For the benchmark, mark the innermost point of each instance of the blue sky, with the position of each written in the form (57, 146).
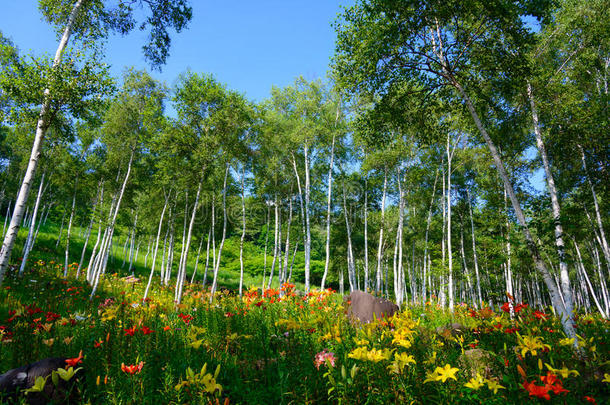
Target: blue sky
(248, 45)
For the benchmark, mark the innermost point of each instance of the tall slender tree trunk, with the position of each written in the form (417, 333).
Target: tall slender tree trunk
(197, 261)
(287, 249)
(67, 252)
(266, 246)
(275, 241)
(351, 271)
(398, 279)
(598, 218)
(99, 197)
(188, 241)
(29, 242)
(133, 242)
(106, 249)
(61, 230)
(307, 221)
(426, 268)
(366, 237)
(566, 318)
(243, 230)
(44, 120)
(224, 232)
(328, 200)
(474, 252)
(380, 245)
(583, 272)
(8, 211)
(566, 287)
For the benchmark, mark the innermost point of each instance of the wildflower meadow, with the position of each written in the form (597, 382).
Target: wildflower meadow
(279, 346)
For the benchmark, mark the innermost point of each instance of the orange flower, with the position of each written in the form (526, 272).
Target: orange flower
(166, 328)
(74, 361)
(132, 368)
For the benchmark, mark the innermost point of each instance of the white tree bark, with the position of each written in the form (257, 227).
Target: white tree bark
(307, 221)
(426, 267)
(598, 218)
(328, 201)
(351, 271)
(366, 237)
(104, 251)
(474, 253)
(224, 233)
(99, 197)
(380, 245)
(41, 129)
(67, 252)
(243, 230)
(29, 242)
(566, 318)
(566, 287)
(188, 241)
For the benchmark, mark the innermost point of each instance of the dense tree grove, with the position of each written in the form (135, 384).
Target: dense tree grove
(408, 174)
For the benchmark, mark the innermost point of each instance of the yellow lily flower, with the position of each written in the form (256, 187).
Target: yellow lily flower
(564, 372)
(493, 385)
(446, 372)
(475, 383)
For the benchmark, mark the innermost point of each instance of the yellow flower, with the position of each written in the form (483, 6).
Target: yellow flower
(446, 372)
(493, 385)
(68, 340)
(475, 383)
(196, 344)
(606, 378)
(359, 353)
(400, 361)
(566, 342)
(531, 344)
(564, 372)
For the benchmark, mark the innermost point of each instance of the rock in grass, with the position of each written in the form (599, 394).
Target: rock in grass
(451, 330)
(365, 307)
(24, 377)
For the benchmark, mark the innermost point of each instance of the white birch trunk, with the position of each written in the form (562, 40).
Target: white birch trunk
(29, 242)
(188, 240)
(243, 230)
(566, 318)
(307, 221)
(224, 233)
(41, 129)
(566, 287)
(380, 245)
(328, 201)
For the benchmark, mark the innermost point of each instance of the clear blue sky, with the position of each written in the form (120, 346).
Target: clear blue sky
(248, 45)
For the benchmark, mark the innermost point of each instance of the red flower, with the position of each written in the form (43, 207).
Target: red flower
(506, 307)
(74, 361)
(97, 344)
(540, 315)
(146, 330)
(591, 399)
(536, 390)
(131, 331)
(229, 314)
(133, 368)
(166, 328)
(519, 307)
